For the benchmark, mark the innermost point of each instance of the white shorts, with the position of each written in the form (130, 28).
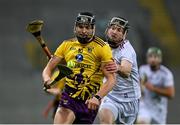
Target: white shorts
(124, 112)
(145, 115)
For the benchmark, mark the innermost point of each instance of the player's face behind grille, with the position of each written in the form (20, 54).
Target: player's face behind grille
(154, 61)
(84, 28)
(84, 33)
(116, 31)
(154, 56)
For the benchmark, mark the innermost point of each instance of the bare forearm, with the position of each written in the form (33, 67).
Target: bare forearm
(167, 92)
(123, 69)
(123, 72)
(46, 74)
(50, 67)
(106, 87)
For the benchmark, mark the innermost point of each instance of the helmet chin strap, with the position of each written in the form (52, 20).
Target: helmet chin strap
(124, 36)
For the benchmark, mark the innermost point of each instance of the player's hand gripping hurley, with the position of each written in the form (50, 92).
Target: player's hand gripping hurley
(35, 27)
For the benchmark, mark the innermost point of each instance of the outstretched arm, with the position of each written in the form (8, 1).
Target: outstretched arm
(53, 62)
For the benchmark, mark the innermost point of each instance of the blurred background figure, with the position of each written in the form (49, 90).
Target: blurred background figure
(153, 23)
(157, 87)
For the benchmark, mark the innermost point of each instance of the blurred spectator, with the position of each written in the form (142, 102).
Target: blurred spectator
(157, 87)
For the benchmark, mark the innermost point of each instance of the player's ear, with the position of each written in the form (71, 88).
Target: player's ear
(106, 31)
(125, 34)
(94, 29)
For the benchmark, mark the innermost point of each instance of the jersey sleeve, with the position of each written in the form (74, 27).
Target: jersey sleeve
(106, 53)
(61, 50)
(169, 80)
(127, 55)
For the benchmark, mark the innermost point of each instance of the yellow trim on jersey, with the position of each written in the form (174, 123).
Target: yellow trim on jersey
(99, 41)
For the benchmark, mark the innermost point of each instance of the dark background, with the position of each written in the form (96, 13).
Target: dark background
(22, 100)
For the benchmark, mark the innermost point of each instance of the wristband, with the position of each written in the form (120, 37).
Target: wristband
(98, 97)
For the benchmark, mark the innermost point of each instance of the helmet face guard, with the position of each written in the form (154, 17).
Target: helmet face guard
(157, 53)
(121, 22)
(85, 19)
(154, 51)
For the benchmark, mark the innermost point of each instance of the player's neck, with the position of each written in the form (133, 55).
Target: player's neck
(155, 68)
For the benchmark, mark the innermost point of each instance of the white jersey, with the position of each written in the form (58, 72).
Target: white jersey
(126, 89)
(156, 104)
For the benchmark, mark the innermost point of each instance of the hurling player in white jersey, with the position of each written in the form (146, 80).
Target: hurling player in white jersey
(122, 103)
(157, 87)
